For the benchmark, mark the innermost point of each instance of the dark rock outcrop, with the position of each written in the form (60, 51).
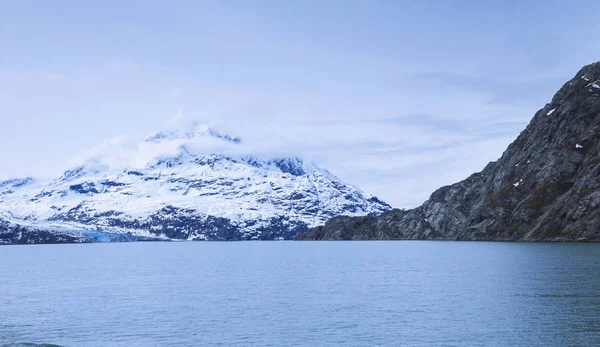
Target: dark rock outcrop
(545, 187)
(174, 223)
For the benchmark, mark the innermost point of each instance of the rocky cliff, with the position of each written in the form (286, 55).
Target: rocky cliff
(545, 187)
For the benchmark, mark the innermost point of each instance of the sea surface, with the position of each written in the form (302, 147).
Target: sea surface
(389, 293)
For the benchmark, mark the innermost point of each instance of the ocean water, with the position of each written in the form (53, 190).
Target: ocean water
(399, 293)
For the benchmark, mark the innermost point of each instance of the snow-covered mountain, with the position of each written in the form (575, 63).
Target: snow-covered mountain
(184, 184)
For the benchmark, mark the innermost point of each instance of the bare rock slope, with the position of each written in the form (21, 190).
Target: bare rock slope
(545, 187)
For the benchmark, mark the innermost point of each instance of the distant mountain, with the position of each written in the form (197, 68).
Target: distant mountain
(545, 187)
(181, 190)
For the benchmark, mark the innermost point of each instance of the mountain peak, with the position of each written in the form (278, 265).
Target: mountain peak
(193, 131)
(185, 183)
(585, 83)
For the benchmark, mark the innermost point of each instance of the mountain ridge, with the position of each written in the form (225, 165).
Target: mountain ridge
(544, 187)
(179, 189)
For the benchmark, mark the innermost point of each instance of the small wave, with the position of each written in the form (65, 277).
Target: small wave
(27, 344)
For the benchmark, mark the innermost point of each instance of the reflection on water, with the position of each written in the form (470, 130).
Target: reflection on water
(407, 293)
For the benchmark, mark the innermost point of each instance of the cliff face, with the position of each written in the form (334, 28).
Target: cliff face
(545, 187)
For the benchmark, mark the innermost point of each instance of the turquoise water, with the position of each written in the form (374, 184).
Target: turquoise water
(402, 293)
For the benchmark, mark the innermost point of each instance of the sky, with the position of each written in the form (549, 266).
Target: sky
(395, 97)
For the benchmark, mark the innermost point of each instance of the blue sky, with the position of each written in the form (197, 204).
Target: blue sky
(397, 97)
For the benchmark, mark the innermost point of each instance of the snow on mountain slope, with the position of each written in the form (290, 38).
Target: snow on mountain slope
(191, 184)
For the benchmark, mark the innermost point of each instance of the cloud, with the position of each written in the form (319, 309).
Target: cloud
(51, 76)
(498, 91)
(361, 111)
(112, 152)
(176, 119)
(176, 93)
(427, 121)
